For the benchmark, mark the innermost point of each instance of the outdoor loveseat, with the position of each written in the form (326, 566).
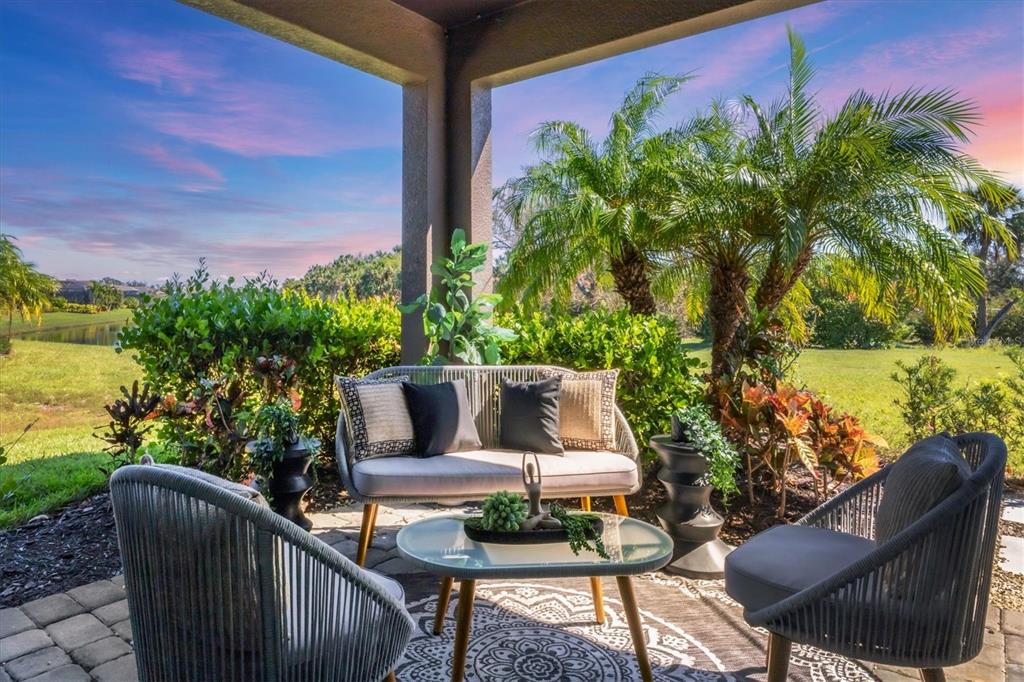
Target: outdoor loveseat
(472, 475)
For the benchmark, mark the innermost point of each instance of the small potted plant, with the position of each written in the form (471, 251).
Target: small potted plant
(280, 458)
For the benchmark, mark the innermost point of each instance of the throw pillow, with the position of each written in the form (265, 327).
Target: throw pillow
(377, 417)
(442, 420)
(530, 416)
(927, 473)
(587, 408)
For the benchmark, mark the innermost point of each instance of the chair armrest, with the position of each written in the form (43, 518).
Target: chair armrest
(625, 442)
(853, 510)
(335, 613)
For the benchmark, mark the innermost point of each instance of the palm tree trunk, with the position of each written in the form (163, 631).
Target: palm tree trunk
(631, 272)
(778, 280)
(985, 332)
(727, 309)
(981, 312)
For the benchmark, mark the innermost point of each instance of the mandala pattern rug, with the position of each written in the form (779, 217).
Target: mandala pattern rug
(544, 631)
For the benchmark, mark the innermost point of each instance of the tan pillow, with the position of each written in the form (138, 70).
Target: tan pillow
(587, 408)
(378, 418)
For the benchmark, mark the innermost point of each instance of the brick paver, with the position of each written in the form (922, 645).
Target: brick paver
(87, 634)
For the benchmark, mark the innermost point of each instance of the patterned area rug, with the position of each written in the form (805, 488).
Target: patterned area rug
(545, 632)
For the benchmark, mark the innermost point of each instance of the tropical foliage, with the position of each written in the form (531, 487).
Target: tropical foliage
(457, 326)
(779, 426)
(998, 258)
(657, 376)
(931, 402)
(106, 296)
(592, 206)
(126, 431)
(705, 434)
(23, 289)
(218, 352)
(376, 275)
(871, 189)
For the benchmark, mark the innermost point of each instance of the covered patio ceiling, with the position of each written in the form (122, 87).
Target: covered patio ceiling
(447, 55)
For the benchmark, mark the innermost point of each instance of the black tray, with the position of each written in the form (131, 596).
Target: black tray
(523, 537)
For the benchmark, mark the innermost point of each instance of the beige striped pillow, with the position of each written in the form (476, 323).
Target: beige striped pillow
(377, 417)
(587, 408)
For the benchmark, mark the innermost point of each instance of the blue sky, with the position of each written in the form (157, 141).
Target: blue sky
(137, 136)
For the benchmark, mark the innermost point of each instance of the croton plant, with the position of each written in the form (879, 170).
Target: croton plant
(777, 427)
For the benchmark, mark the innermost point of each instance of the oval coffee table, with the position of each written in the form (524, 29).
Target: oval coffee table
(440, 546)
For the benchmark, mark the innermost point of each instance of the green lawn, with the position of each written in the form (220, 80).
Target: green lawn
(858, 381)
(64, 386)
(59, 320)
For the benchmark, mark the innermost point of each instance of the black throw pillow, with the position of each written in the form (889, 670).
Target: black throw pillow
(530, 416)
(441, 419)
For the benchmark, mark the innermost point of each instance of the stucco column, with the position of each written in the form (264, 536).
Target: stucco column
(469, 168)
(424, 205)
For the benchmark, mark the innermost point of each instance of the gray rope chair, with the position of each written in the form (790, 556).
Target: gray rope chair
(917, 600)
(221, 588)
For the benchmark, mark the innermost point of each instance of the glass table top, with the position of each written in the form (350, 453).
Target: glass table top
(440, 546)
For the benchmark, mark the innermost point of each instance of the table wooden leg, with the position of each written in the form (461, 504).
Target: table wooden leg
(636, 630)
(442, 604)
(463, 623)
(595, 589)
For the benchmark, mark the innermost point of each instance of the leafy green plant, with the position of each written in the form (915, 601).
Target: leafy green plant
(581, 531)
(504, 511)
(274, 427)
(457, 326)
(706, 435)
(657, 376)
(105, 296)
(927, 395)
(125, 432)
(218, 351)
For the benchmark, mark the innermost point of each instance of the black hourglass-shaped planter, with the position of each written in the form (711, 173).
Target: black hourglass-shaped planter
(688, 516)
(289, 481)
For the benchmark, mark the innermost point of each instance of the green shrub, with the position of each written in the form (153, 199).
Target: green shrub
(841, 323)
(219, 351)
(930, 404)
(657, 376)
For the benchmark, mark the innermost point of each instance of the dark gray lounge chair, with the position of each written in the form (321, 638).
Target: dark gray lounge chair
(896, 574)
(222, 588)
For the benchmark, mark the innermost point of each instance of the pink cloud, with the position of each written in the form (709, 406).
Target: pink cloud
(180, 164)
(219, 108)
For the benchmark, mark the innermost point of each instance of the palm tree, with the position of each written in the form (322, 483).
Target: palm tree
(23, 289)
(589, 207)
(873, 186)
(991, 251)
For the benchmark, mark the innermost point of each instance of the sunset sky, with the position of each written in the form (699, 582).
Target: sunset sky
(137, 136)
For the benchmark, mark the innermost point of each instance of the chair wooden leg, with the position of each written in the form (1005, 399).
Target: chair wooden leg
(442, 603)
(366, 531)
(585, 504)
(778, 657)
(391, 677)
(595, 590)
(932, 675)
(620, 505)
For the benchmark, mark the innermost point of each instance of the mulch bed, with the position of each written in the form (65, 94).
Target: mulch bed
(72, 547)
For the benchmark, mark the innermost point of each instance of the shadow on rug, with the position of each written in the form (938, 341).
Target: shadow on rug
(545, 632)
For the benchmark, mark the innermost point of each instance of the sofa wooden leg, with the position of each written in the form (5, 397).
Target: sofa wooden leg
(932, 675)
(585, 504)
(366, 531)
(620, 505)
(778, 657)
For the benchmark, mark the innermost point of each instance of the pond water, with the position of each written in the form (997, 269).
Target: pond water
(93, 334)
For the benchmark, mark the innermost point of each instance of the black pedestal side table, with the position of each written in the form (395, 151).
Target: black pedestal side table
(688, 516)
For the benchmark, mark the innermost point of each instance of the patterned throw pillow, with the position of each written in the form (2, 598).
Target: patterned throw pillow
(378, 419)
(587, 408)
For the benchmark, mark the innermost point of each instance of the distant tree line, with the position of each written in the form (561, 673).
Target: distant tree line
(376, 275)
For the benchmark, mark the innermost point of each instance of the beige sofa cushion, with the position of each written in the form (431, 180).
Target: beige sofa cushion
(473, 474)
(587, 407)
